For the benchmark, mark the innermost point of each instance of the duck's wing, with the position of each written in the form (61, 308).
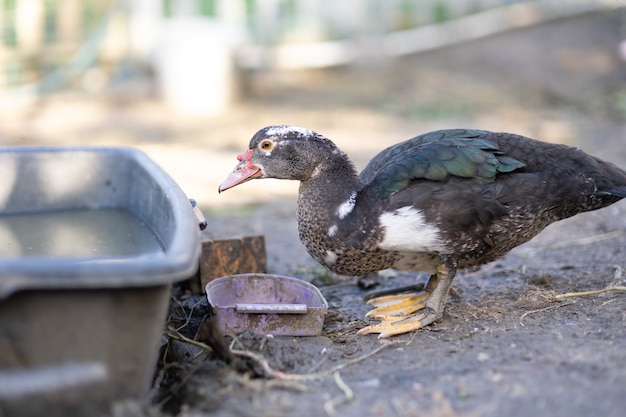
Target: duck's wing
(436, 156)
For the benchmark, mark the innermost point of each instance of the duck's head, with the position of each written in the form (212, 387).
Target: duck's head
(283, 152)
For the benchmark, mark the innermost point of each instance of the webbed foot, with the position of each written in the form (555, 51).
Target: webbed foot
(399, 314)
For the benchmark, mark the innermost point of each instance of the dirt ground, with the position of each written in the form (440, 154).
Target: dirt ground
(506, 346)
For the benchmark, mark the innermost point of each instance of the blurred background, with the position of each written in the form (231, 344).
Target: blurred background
(190, 81)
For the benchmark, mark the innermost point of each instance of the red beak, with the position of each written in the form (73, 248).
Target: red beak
(244, 171)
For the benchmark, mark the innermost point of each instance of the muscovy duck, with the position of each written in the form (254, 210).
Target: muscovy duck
(435, 203)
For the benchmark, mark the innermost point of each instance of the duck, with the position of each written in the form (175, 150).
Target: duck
(436, 203)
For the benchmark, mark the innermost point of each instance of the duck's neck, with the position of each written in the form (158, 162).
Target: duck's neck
(331, 190)
(325, 199)
(338, 224)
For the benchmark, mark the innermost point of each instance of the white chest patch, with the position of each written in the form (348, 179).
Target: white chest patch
(331, 258)
(406, 230)
(346, 208)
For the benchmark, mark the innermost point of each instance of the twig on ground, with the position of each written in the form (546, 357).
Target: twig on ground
(235, 341)
(258, 385)
(270, 372)
(348, 395)
(585, 293)
(188, 316)
(559, 297)
(273, 373)
(174, 334)
(540, 310)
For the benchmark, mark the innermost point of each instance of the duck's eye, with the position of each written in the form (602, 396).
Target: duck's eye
(266, 145)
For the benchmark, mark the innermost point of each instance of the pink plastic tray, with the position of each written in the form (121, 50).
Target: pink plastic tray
(267, 304)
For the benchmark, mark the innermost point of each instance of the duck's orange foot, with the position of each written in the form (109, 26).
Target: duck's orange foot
(397, 305)
(399, 314)
(396, 325)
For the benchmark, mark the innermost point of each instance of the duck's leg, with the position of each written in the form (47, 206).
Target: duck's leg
(401, 304)
(395, 291)
(408, 312)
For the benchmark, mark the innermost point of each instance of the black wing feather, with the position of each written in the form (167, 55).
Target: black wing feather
(436, 156)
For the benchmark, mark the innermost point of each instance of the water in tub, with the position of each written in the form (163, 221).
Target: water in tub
(103, 233)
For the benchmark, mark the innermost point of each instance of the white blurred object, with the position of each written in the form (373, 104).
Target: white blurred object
(195, 65)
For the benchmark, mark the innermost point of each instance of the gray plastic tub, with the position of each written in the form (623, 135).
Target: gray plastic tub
(91, 240)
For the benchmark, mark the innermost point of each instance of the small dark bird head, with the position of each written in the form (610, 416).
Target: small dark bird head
(283, 152)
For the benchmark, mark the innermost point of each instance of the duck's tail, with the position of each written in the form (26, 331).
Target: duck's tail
(612, 185)
(619, 192)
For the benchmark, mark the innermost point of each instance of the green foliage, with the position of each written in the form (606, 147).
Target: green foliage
(441, 12)
(7, 22)
(207, 7)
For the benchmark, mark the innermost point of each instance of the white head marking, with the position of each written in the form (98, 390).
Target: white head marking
(282, 130)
